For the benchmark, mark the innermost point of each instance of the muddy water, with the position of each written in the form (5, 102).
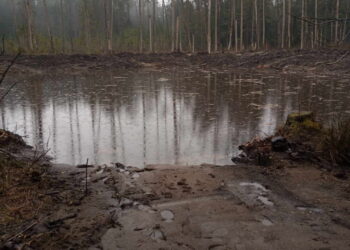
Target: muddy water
(147, 117)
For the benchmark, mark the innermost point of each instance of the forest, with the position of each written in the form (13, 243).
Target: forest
(105, 26)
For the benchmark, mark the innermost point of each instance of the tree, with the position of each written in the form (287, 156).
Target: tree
(140, 27)
(264, 26)
(108, 6)
(336, 38)
(232, 24)
(283, 22)
(209, 27)
(216, 25)
(290, 23)
(241, 36)
(62, 27)
(48, 27)
(29, 17)
(302, 24)
(257, 36)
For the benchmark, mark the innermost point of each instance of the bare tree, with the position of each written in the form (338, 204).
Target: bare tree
(86, 25)
(336, 38)
(62, 27)
(152, 25)
(302, 24)
(316, 24)
(264, 25)
(209, 27)
(257, 30)
(140, 27)
(48, 27)
(216, 25)
(29, 17)
(283, 22)
(289, 24)
(108, 4)
(173, 24)
(232, 24)
(241, 36)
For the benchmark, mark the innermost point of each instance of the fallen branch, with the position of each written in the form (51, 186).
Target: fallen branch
(22, 232)
(9, 67)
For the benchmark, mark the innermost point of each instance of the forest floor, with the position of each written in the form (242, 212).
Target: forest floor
(293, 203)
(332, 61)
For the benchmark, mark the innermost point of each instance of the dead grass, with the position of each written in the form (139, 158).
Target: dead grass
(336, 142)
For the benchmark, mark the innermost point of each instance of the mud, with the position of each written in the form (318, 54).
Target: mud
(292, 206)
(325, 60)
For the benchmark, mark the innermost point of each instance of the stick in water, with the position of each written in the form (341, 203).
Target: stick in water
(86, 176)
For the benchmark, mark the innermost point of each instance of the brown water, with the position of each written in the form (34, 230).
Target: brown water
(146, 117)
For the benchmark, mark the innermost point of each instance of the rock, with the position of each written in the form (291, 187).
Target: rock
(167, 215)
(279, 144)
(119, 165)
(157, 234)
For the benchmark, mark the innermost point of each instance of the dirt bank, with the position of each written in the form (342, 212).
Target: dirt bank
(331, 61)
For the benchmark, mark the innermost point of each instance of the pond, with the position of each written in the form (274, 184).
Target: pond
(171, 117)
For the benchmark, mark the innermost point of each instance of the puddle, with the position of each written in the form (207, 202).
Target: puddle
(142, 117)
(251, 193)
(310, 209)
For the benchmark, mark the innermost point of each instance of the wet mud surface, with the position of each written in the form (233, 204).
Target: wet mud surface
(329, 60)
(194, 207)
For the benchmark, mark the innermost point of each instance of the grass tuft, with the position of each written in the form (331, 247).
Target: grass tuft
(336, 142)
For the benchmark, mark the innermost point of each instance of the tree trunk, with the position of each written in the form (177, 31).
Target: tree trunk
(14, 15)
(316, 23)
(29, 16)
(209, 27)
(216, 25)
(173, 24)
(336, 38)
(140, 27)
(264, 26)
(178, 38)
(232, 23)
(241, 36)
(150, 33)
(153, 23)
(283, 22)
(86, 27)
(289, 24)
(109, 23)
(236, 36)
(302, 24)
(48, 27)
(257, 36)
(62, 27)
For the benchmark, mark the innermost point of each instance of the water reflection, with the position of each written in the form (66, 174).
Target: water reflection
(147, 117)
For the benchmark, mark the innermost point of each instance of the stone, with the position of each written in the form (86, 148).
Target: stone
(279, 144)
